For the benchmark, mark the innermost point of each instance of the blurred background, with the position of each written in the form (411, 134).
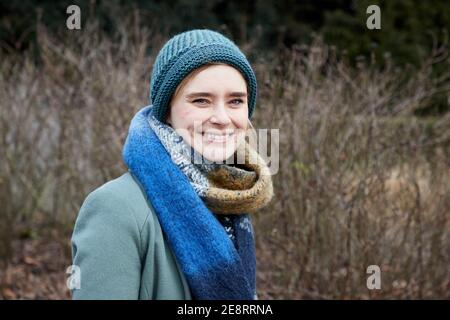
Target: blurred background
(364, 119)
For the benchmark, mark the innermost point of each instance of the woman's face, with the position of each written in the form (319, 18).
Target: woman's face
(210, 111)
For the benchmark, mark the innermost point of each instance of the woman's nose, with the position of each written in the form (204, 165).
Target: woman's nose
(220, 115)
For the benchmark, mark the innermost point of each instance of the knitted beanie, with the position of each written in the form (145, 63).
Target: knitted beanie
(187, 51)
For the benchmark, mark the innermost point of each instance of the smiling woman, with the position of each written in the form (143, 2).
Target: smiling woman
(172, 227)
(210, 111)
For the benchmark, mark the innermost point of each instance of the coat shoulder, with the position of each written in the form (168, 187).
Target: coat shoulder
(128, 191)
(117, 223)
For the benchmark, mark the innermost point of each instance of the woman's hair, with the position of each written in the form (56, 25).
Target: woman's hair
(251, 132)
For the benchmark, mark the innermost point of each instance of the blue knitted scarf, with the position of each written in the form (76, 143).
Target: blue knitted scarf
(215, 250)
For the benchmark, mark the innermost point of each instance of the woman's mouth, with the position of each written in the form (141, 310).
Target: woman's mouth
(222, 137)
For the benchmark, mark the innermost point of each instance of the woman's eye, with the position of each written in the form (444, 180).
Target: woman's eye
(200, 101)
(237, 101)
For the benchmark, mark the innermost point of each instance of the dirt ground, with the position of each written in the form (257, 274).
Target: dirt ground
(37, 270)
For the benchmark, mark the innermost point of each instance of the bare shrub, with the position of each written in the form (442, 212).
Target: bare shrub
(362, 181)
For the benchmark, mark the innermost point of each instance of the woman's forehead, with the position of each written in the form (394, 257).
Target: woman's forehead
(215, 78)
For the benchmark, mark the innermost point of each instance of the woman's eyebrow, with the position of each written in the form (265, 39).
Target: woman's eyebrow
(198, 94)
(208, 94)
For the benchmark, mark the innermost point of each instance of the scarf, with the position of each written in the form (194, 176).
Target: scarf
(203, 208)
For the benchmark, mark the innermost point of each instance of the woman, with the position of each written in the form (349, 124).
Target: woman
(177, 224)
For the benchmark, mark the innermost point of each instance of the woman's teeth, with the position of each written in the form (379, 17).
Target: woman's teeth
(219, 138)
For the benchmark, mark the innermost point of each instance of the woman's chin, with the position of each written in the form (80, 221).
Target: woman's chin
(218, 153)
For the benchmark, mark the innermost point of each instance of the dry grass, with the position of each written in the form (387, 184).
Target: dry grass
(361, 181)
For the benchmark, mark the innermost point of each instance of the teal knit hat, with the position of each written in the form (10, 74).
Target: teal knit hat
(187, 51)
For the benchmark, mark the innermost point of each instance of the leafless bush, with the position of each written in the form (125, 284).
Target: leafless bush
(361, 181)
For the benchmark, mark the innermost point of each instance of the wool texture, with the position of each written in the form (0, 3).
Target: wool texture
(186, 52)
(198, 207)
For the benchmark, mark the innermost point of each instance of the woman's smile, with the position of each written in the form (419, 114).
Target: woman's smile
(218, 137)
